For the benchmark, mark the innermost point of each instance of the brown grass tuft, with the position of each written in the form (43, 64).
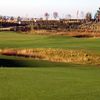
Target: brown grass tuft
(55, 55)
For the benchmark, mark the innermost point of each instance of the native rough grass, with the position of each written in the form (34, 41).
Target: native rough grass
(55, 55)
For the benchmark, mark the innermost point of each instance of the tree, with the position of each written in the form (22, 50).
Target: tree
(88, 16)
(97, 15)
(4, 18)
(19, 19)
(82, 15)
(0, 17)
(12, 18)
(69, 16)
(46, 15)
(0, 21)
(55, 15)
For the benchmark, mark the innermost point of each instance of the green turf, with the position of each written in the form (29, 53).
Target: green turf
(17, 40)
(43, 80)
(28, 79)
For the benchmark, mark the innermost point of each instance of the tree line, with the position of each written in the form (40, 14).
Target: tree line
(88, 17)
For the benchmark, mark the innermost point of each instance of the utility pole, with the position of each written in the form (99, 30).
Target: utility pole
(77, 14)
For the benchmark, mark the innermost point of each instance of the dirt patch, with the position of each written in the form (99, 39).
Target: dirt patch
(55, 55)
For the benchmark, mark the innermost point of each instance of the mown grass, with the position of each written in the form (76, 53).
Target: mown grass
(42, 80)
(17, 40)
(28, 79)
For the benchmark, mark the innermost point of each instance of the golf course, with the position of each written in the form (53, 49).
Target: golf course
(43, 78)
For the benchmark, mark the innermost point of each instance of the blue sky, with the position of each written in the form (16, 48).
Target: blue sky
(37, 8)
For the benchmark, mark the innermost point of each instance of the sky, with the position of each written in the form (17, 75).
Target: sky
(37, 8)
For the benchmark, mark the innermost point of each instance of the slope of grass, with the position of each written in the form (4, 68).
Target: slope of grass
(17, 40)
(28, 79)
(40, 81)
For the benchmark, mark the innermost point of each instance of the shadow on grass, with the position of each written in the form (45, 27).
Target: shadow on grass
(12, 63)
(28, 63)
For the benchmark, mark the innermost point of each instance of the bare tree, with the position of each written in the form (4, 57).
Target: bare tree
(4, 18)
(12, 18)
(88, 16)
(19, 19)
(68, 16)
(82, 15)
(46, 15)
(1, 21)
(0, 17)
(55, 15)
(77, 14)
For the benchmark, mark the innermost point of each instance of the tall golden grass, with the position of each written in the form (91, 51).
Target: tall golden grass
(55, 55)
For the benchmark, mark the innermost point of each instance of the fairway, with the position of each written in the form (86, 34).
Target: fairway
(20, 40)
(28, 79)
(42, 82)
